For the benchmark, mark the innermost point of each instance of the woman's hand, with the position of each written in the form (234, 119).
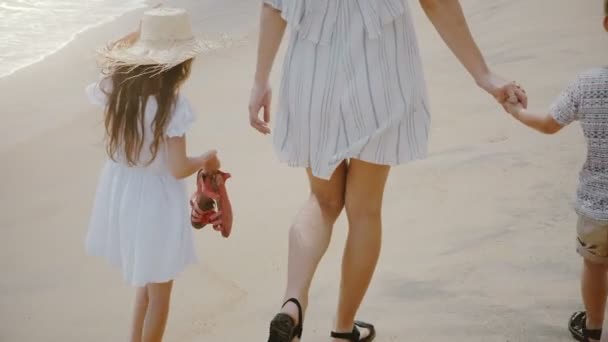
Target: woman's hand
(272, 28)
(449, 20)
(502, 90)
(261, 97)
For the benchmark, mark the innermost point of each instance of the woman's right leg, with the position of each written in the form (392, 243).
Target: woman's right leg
(158, 310)
(310, 235)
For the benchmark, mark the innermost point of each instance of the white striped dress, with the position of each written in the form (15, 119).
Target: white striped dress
(352, 85)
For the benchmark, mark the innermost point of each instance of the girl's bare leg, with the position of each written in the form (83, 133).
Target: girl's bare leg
(139, 313)
(158, 310)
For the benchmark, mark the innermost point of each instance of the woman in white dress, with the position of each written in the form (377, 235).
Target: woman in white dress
(352, 103)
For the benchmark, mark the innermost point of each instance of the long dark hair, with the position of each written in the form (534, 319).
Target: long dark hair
(124, 116)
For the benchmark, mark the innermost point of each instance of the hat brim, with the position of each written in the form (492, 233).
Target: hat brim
(140, 53)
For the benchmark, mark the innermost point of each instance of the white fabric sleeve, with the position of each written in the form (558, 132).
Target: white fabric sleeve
(96, 92)
(277, 4)
(182, 118)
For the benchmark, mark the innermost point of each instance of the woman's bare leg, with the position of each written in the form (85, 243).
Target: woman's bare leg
(158, 310)
(310, 235)
(139, 313)
(363, 202)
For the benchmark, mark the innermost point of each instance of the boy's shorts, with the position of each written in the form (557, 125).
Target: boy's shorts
(592, 241)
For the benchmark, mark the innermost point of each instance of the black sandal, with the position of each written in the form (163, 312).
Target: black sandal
(355, 334)
(578, 328)
(283, 328)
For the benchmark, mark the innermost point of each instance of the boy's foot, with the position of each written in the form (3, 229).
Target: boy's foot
(578, 328)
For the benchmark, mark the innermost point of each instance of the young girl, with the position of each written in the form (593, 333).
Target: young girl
(586, 101)
(140, 220)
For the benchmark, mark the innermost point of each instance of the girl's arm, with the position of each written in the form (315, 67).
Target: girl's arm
(544, 123)
(183, 166)
(129, 39)
(272, 29)
(449, 21)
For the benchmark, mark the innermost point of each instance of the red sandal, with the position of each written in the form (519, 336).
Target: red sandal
(223, 204)
(210, 203)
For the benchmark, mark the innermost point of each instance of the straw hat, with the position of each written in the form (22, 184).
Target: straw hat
(165, 40)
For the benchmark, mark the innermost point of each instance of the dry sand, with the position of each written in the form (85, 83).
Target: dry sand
(479, 238)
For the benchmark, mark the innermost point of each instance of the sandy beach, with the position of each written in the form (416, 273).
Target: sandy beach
(479, 240)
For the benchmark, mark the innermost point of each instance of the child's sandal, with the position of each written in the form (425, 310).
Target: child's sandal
(578, 328)
(283, 328)
(223, 203)
(203, 201)
(355, 335)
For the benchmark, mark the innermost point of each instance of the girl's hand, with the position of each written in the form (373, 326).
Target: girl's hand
(129, 39)
(210, 161)
(261, 97)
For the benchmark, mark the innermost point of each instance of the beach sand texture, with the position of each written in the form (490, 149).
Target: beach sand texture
(479, 238)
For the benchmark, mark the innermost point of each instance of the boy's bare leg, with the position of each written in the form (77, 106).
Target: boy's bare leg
(594, 288)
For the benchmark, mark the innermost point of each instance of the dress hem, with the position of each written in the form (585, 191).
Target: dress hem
(325, 176)
(153, 280)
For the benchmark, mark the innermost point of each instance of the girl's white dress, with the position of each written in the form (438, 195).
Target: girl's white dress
(140, 221)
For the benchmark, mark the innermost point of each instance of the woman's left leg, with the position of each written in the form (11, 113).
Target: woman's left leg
(365, 184)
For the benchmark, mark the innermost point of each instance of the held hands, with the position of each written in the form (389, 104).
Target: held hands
(503, 91)
(513, 108)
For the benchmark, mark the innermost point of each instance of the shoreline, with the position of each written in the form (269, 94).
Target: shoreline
(73, 37)
(31, 118)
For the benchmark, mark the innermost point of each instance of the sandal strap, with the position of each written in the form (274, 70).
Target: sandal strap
(594, 334)
(297, 330)
(352, 336)
(578, 326)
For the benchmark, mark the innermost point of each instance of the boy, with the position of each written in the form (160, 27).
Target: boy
(585, 100)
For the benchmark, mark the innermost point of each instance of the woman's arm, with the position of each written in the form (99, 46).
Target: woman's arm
(272, 28)
(449, 21)
(183, 166)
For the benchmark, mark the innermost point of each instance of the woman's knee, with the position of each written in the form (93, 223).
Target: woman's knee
(328, 195)
(330, 204)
